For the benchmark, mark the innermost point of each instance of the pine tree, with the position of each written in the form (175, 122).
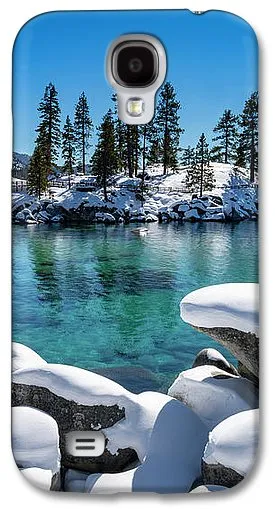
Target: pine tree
(48, 130)
(167, 134)
(83, 128)
(68, 147)
(121, 138)
(200, 177)
(227, 135)
(104, 160)
(188, 156)
(37, 181)
(249, 133)
(240, 157)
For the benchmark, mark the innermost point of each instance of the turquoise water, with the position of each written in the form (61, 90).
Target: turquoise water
(105, 299)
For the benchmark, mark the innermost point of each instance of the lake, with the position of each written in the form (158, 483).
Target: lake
(107, 300)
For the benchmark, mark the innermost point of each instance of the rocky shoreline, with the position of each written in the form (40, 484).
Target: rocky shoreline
(237, 202)
(200, 437)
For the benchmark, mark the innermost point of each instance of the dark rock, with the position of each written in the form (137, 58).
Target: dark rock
(220, 475)
(210, 356)
(243, 345)
(71, 416)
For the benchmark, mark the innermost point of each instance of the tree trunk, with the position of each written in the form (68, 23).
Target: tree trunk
(83, 146)
(143, 160)
(226, 146)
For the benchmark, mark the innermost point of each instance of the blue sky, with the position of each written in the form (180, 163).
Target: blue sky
(212, 62)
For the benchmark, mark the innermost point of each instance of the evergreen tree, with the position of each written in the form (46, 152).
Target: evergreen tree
(227, 135)
(167, 130)
(104, 160)
(83, 128)
(240, 157)
(48, 130)
(249, 133)
(37, 181)
(188, 156)
(200, 177)
(121, 138)
(68, 147)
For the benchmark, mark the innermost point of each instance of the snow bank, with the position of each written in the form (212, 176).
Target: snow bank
(233, 443)
(173, 459)
(24, 357)
(233, 305)
(35, 440)
(213, 399)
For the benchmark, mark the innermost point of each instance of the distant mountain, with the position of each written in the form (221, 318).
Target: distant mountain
(20, 164)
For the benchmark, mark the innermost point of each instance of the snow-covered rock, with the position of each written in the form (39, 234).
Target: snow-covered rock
(25, 357)
(173, 459)
(35, 443)
(229, 313)
(43, 216)
(214, 394)
(231, 449)
(212, 357)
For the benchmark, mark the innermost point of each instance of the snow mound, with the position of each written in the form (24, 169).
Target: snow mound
(213, 394)
(233, 305)
(35, 439)
(38, 477)
(233, 443)
(24, 357)
(173, 459)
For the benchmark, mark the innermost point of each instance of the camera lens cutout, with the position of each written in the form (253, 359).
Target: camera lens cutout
(135, 64)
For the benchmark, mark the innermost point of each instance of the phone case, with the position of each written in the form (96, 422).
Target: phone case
(135, 295)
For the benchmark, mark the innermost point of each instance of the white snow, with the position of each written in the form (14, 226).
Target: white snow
(233, 305)
(213, 399)
(24, 357)
(35, 440)
(233, 443)
(173, 459)
(39, 477)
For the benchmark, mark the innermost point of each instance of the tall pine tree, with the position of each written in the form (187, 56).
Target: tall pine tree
(249, 133)
(83, 128)
(37, 181)
(121, 138)
(167, 135)
(104, 160)
(68, 147)
(227, 135)
(48, 130)
(200, 177)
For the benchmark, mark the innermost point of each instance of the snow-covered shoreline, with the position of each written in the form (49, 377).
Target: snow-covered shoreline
(203, 434)
(163, 199)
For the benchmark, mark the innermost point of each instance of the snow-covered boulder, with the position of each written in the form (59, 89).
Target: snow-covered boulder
(91, 402)
(20, 217)
(214, 394)
(229, 313)
(151, 218)
(57, 219)
(212, 357)
(183, 207)
(35, 444)
(231, 449)
(173, 459)
(25, 357)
